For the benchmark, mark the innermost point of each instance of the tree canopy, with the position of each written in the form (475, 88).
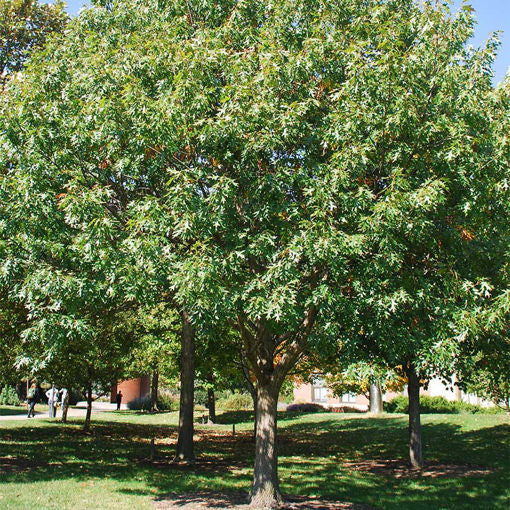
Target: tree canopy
(24, 26)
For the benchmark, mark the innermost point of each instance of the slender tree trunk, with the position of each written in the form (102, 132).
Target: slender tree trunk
(415, 439)
(154, 391)
(65, 407)
(376, 402)
(211, 405)
(266, 491)
(185, 436)
(507, 403)
(86, 425)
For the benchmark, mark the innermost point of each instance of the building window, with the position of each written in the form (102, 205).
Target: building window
(319, 390)
(348, 398)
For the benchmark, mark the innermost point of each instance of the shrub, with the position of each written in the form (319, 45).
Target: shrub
(236, 402)
(399, 404)
(168, 402)
(437, 405)
(306, 408)
(140, 404)
(200, 396)
(9, 397)
(346, 409)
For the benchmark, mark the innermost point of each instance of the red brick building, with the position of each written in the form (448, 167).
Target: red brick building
(131, 389)
(318, 392)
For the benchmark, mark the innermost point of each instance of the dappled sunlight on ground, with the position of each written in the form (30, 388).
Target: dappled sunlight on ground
(333, 458)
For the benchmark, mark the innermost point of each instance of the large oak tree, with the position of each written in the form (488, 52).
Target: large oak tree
(294, 169)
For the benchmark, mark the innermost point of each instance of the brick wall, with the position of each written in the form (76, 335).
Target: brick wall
(131, 389)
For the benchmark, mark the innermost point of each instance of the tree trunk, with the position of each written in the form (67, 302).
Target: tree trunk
(185, 435)
(266, 491)
(65, 407)
(211, 405)
(154, 391)
(254, 398)
(86, 425)
(376, 402)
(251, 389)
(415, 440)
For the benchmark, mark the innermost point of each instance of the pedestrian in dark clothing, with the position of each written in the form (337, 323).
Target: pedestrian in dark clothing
(32, 400)
(118, 399)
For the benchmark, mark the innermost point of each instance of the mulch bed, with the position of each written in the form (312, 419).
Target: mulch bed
(401, 469)
(238, 500)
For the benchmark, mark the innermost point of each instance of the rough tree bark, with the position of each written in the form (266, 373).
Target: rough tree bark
(266, 489)
(154, 391)
(376, 402)
(65, 408)
(415, 439)
(271, 357)
(185, 451)
(86, 425)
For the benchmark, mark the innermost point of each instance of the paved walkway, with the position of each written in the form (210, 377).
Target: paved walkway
(78, 411)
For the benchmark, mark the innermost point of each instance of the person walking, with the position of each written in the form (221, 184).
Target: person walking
(32, 400)
(118, 399)
(52, 395)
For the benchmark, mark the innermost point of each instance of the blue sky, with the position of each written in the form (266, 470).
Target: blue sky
(492, 15)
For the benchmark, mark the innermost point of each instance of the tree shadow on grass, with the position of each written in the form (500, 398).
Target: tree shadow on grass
(314, 460)
(244, 416)
(13, 411)
(334, 447)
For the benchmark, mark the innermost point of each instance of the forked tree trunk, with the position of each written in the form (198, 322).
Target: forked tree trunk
(376, 402)
(184, 451)
(154, 391)
(415, 439)
(86, 425)
(266, 491)
(211, 405)
(260, 347)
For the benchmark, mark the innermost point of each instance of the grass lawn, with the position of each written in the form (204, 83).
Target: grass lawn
(12, 410)
(22, 409)
(44, 464)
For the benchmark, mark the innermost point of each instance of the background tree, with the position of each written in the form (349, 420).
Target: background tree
(24, 27)
(87, 197)
(487, 377)
(364, 378)
(89, 355)
(156, 349)
(13, 319)
(428, 162)
(483, 364)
